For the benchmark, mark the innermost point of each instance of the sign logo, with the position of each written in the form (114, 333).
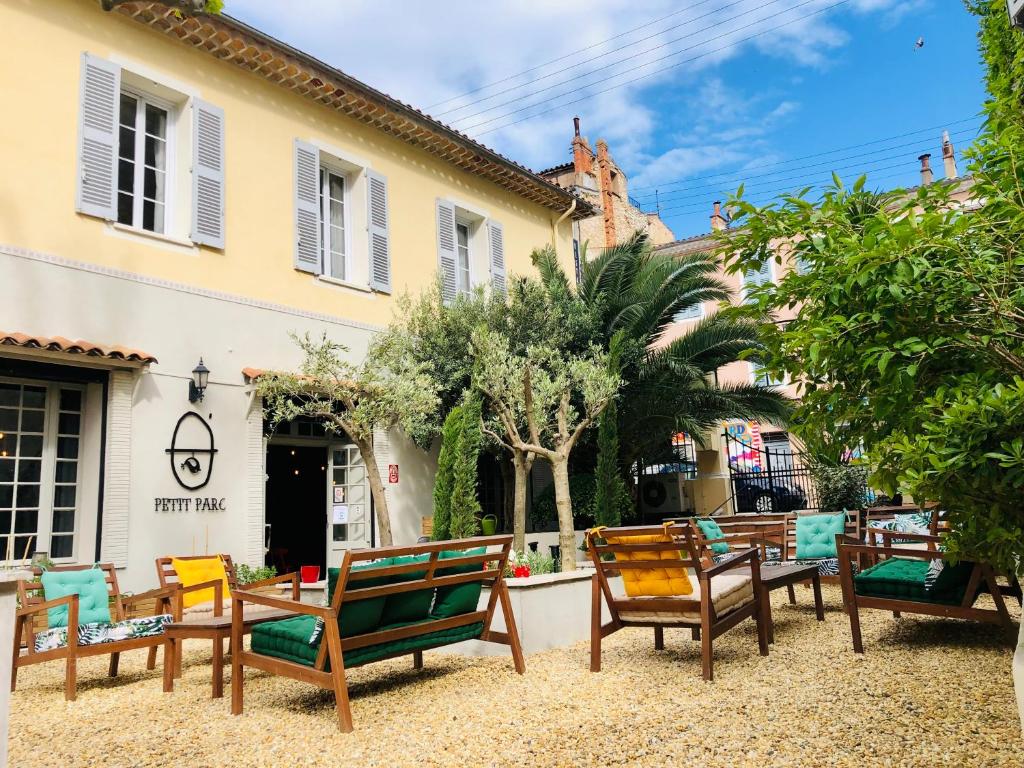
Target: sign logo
(192, 462)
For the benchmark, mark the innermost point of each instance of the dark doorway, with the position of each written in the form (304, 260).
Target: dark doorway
(296, 507)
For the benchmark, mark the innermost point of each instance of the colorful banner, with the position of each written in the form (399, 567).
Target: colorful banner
(746, 447)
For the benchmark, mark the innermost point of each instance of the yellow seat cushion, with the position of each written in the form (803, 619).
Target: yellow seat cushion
(196, 571)
(729, 592)
(654, 582)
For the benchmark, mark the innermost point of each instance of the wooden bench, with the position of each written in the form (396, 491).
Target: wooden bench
(433, 587)
(722, 597)
(894, 580)
(31, 619)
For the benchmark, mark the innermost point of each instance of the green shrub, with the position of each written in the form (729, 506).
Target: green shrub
(840, 487)
(246, 574)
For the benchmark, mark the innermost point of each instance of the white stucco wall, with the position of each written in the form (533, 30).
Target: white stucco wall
(44, 295)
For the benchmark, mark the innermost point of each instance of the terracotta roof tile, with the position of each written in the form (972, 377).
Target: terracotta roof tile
(80, 347)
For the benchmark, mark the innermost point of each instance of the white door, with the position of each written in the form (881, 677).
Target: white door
(348, 503)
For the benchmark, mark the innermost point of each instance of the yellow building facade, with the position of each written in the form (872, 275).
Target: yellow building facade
(177, 188)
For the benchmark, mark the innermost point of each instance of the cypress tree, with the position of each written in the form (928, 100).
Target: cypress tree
(444, 481)
(465, 505)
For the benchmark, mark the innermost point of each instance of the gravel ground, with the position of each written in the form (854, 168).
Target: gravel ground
(928, 692)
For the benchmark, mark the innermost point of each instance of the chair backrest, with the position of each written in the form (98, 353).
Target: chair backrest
(854, 527)
(168, 576)
(741, 532)
(30, 592)
(681, 542)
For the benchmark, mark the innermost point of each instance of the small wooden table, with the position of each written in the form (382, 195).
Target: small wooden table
(217, 629)
(776, 576)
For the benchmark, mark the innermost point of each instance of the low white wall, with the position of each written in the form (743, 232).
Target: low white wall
(551, 611)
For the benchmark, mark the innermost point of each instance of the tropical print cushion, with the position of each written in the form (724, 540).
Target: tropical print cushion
(94, 634)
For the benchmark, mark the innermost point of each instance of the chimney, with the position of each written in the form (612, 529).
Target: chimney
(926, 169)
(948, 157)
(604, 165)
(582, 156)
(718, 221)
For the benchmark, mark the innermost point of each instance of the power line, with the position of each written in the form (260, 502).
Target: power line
(744, 179)
(643, 77)
(570, 54)
(606, 66)
(661, 187)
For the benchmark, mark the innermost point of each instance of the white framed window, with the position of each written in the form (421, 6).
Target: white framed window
(463, 279)
(753, 279)
(334, 224)
(40, 438)
(144, 146)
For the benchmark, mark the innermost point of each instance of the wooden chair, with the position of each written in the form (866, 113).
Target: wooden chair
(168, 578)
(324, 663)
(703, 612)
(31, 619)
(829, 567)
(893, 570)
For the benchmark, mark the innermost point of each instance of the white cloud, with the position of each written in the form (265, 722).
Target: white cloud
(424, 53)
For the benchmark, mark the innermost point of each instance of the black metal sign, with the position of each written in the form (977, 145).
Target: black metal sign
(197, 476)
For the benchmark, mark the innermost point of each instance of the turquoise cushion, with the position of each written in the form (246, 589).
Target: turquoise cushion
(713, 530)
(816, 535)
(93, 598)
(359, 616)
(461, 598)
(405, 607)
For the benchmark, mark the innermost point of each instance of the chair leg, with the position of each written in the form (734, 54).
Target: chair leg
(792, 594)
(819, 606)
(218, 668)
(595, 625)
(417, 659)
(512, 631)
(695, 633)
(116, 657)
(706, 662)
(237, 672)
(179, 649)
(765, 616)
(659, 638)
(18, 629)
(168, 665)
(763, 625)
(71, 678)
(896, 614)
(854, 613)
(338, 677)
(151, 661)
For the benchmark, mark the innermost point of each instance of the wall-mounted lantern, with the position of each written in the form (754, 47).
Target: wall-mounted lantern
(200, 378)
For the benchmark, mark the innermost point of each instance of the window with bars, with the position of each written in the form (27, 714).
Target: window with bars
(40, 433)
(142, 163)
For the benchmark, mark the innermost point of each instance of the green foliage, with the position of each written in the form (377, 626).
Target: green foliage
(909, 326)
(840, 487)
(538, 563)
(465, 506)
(444, 480)
(246, 574)
(582, 489)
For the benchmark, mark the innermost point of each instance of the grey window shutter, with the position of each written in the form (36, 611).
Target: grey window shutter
(380, 246)
(307, 207)
(496, 242)
(96, 188)
(446, 248)
(207, 174)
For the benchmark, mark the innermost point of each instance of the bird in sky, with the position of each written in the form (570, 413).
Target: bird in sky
(919, 43)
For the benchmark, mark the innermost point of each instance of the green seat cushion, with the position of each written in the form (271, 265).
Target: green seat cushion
(90, 584)
(816, 535)
(902, 578)
(460, 598)
(288, 639)
(408, 606)
(359, 616)
(712, 530)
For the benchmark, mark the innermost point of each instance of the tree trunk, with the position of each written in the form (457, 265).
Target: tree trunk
(563, 502)
(507, 492)
(522, 462)
(1018, 667)
(380, 502)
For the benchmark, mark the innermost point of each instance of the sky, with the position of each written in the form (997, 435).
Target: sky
(692, 96)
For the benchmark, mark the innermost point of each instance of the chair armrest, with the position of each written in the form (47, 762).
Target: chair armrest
(162, 595)
(292, 577)
(238, 597)
(727, 565)
(45, 606)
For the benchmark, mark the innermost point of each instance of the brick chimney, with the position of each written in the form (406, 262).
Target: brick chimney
(582, 155)
(949, 157)
(604, 165)
(926, 169)
(718, 221)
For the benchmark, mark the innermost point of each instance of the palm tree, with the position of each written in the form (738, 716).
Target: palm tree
(669, 386)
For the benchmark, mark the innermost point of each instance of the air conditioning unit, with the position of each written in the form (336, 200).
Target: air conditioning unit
(663, 495)
(1016, 10)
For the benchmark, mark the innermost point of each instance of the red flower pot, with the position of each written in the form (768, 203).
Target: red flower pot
(308, 574)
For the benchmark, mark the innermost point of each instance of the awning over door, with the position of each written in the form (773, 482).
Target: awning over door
(80, 347)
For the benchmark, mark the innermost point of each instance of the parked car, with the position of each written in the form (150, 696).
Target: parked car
(761, 494)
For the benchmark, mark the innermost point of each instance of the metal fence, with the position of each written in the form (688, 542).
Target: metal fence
(768, 478)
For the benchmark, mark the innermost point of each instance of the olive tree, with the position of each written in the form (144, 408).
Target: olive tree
(544, 401)
(353, 399)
